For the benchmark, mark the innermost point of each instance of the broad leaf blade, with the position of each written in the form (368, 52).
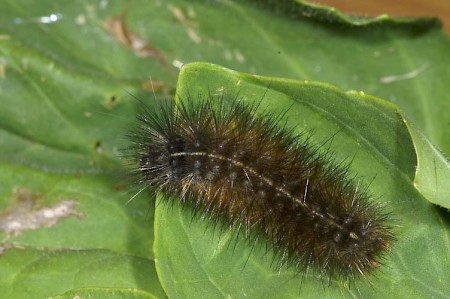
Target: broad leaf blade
(194, 260)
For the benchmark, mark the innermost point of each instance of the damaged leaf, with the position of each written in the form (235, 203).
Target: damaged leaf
(27, 213)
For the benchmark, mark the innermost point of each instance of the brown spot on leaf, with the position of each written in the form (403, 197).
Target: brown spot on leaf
(26, 213)
(110, 101)
(188, 24)
(4, 247)
(118, 28)
(98, 147)
(157, 86)
(2, 69)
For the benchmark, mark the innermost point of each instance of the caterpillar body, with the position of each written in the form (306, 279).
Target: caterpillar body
(223, 159)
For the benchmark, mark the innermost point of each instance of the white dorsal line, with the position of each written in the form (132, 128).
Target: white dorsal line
(267, 180)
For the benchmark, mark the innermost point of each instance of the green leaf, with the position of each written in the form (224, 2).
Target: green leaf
(433, 170)
(100, 293)
(65, 106)
(193, 261)
(31, 273)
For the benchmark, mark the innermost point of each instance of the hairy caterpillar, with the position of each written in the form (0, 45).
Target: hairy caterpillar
(222, 159)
